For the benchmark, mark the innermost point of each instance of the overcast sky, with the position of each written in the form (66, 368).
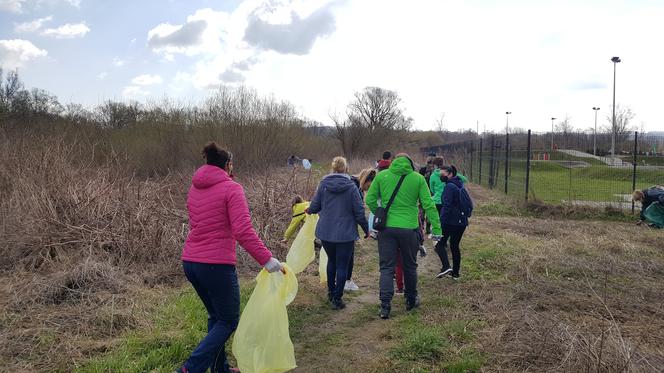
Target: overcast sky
(472, 60)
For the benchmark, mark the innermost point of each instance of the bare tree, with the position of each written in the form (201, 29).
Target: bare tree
(373, 118)
(623, 125)
(565, 127)
(439, 125)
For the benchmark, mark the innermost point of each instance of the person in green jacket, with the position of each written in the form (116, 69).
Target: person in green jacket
(298, 207)
(400, 233)
(436, 185)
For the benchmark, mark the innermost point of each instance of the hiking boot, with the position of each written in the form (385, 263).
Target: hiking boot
(351, 286)
(338, 304)
(423, 251)
(413, 304)
(444, 272)
(385, 311)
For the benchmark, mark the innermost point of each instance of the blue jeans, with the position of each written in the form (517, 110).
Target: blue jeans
(218, 288)
(339, 255)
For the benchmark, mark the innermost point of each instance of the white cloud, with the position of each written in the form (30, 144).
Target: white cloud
(117, 62)
(15, 53)
(134, 92)
(32, 26)
(147, 79)
(14, 6)
(102, 75)
(217, 38)
(17, 6)
(67, 31)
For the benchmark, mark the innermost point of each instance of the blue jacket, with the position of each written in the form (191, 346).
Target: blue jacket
(450, 214)
(340, 209)
(651, 195)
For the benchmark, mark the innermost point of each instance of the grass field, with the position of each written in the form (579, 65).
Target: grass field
(552, 182)
(535, 295)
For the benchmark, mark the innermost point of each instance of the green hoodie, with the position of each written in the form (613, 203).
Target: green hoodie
(438, 187)
(404, 210)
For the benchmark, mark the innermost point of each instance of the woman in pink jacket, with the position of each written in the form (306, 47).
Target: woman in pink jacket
(218, 218)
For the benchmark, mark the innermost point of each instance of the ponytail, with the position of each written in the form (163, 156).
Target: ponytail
(452, 170)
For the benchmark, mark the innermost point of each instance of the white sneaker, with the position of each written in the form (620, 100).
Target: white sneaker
(351, 286)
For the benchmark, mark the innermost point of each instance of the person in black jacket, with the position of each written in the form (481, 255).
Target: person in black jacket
(453, 222)
(647, 197)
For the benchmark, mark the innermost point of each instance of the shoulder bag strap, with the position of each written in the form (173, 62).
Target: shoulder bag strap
(394, 194)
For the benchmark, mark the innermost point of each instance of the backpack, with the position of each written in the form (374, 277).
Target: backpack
(465, 203)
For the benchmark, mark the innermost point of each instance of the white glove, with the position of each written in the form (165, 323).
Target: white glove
(272, 265)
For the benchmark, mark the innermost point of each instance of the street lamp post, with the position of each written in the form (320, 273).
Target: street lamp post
(552, 119)
(596, 109)
(615, 61)
(507, 125)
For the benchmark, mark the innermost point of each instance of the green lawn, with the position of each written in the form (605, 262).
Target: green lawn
(551, 182)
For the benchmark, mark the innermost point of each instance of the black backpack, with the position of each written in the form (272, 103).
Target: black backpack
(465, 203)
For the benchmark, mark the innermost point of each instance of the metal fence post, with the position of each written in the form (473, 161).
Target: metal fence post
(471, 159)
(528, 167)
(480, 178)
(507, 159)
(636, 142)
(492, 162)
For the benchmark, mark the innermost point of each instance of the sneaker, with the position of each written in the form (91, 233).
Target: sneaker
(373, 234)
(455, 277)
(338, 304)
(444, 272)
(413, 304)
(385, 311)
(399, 291)
(351, 286)
(423, 251)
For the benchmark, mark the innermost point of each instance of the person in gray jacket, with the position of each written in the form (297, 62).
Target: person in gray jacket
(340, 209)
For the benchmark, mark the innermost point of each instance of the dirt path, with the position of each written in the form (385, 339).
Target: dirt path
(532, 292)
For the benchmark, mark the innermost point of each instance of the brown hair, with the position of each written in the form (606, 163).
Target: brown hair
(366, 175)
(439, 162)
(216, 156)
(297, 199)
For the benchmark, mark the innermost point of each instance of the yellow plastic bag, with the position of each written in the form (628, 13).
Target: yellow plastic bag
(302, 252)
(322, 266)
(262, 341)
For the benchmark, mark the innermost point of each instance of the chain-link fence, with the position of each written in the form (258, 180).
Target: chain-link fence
(562, 168)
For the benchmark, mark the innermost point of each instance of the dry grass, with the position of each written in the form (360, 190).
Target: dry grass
(82, 245)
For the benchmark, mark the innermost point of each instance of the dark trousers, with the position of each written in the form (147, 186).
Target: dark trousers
(218, 288)
(454, 234)
(350, 266)
(393, 242)
(338, 256)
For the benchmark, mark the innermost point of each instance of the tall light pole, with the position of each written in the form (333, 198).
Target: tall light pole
(507, 125)
(596, 109)
(552, 119)
(615, 61)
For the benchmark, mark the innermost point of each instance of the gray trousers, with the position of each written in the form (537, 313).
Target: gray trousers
(392, 242)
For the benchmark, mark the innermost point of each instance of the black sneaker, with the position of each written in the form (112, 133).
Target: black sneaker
(423, 251)
(455, 277)
(338, 304)
(413, 304)
(385, 311)
(443, 272)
